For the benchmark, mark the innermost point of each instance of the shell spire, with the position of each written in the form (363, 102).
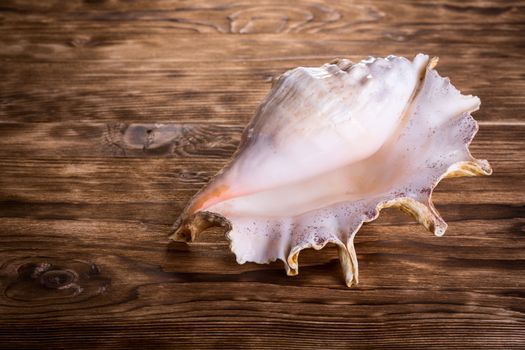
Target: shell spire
(327, 149)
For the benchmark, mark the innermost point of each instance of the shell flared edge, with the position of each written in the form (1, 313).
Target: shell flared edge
(186, 229)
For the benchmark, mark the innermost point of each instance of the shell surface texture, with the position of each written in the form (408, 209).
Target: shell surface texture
(327, 149)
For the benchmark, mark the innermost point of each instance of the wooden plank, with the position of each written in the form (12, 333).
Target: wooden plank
(165, 48)
(129, 279)
(115, 247)
(182, 140)
(293, 333)
(185, 91)
(402, 20)
(137, 67)
(164, 213)
(114, 113)
(91, 173)
(383, 240)
(50, 140)
(158, 180)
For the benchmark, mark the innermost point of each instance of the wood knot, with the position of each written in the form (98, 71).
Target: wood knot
(49, 276)
(52, 279)
(281, 18)
(32, 270)
(58, 279)
(158, 139)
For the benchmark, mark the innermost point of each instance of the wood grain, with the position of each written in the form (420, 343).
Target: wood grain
(114, 113)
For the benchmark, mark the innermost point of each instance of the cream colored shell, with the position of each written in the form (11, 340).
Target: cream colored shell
(327, 149)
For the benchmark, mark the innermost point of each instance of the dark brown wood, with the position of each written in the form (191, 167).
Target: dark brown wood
(114, 113)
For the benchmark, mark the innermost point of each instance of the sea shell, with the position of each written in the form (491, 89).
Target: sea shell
(327, 149)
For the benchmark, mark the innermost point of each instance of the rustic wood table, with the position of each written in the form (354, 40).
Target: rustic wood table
(114, 113)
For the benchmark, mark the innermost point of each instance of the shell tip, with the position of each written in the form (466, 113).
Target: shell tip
(292, 263)
(348, 260)
(292, 272)
(182, 231)
(439, 230)
(182, 235)
(433, 62)
(484, 166)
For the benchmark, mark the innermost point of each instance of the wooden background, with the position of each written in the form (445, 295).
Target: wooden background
(114, 113)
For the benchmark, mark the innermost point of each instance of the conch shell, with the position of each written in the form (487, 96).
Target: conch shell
(327, 149)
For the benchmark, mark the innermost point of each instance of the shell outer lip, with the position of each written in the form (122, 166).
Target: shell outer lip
(187, 229)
